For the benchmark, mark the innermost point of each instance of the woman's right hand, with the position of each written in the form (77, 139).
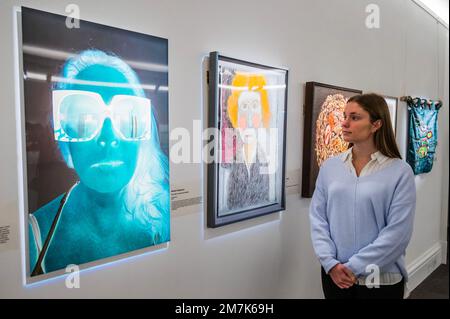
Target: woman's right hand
(342, 276)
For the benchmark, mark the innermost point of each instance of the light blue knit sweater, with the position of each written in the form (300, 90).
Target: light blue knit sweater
(362, 221)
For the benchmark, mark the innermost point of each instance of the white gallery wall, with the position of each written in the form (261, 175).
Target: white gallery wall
(268, 257)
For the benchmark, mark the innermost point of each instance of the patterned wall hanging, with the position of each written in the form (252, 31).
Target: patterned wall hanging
(422, 137)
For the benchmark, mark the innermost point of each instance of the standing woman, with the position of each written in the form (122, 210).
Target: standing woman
(362, 210)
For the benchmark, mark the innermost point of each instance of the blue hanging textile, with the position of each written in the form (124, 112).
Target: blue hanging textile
(422, 137)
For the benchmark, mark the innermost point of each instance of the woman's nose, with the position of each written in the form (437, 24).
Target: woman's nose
(344, 123)
(107, 136)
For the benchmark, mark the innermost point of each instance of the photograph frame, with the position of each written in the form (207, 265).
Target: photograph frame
(214, 121)
(30, 276)
(310, 167)
(393, 115)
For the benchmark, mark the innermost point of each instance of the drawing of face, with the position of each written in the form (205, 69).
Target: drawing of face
(249, 116)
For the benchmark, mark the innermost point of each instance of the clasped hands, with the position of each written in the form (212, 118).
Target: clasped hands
(342, 276)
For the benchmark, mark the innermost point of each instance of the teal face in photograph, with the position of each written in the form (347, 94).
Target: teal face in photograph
(104, 150)
(106, 132)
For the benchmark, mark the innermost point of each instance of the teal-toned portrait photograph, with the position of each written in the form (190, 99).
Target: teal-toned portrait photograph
(96, 132)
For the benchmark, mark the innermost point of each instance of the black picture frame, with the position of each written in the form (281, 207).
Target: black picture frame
(314, 100)
(49, 182)
(217, 168)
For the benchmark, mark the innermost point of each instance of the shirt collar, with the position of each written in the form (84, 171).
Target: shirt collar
(347, 155)
(378, 156)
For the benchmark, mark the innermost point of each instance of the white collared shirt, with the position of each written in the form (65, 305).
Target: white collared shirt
(378, 161)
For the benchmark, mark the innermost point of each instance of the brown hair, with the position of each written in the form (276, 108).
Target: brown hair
(377, 108)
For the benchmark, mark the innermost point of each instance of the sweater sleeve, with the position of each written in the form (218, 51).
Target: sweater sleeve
(324, 246)
(393, 239)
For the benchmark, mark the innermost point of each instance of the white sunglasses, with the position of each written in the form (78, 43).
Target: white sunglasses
(78, 116)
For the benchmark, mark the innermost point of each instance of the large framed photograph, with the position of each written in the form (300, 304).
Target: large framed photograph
(247, 109)
(95, 154)
(392, 103)
(322, 137)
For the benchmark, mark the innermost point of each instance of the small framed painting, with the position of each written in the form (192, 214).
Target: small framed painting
(322, 138)
(247, 109)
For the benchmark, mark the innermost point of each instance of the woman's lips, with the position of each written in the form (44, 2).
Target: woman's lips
(107, 164)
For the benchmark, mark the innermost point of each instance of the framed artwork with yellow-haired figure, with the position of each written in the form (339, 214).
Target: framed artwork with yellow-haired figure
(322, 138)
(247, 109)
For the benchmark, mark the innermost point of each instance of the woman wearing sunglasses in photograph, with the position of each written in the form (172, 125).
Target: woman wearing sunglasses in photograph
(106, 132)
